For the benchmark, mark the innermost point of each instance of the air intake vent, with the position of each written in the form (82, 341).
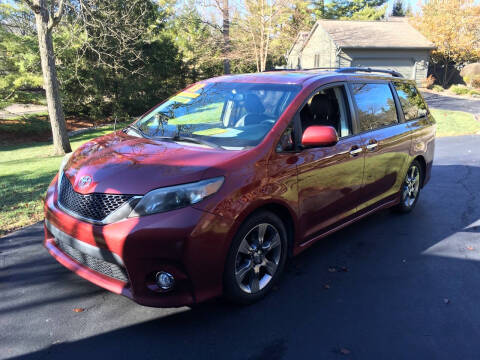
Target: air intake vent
(95, 206)
(101, 266)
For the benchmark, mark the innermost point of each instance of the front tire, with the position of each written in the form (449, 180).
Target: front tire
(410, 188)
(256, 258)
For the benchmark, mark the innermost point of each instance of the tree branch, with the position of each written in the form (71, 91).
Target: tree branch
(35, 8)
(55, 18)
(213, 26)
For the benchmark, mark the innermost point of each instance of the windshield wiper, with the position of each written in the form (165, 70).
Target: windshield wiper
(137, 130)
(195, 141)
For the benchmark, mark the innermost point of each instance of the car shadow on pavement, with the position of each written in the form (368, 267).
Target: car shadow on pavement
(389, 286)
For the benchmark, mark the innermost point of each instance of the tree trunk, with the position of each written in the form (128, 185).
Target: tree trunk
(226, 37)
(61, 143)
(445, 70)
(262, 35)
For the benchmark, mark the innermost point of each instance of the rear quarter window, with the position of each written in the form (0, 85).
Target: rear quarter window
(412, 103)
(375, 105)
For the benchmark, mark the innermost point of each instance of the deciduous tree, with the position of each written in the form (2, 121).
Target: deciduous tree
(47, 16)
(454, 27)
(262, 23)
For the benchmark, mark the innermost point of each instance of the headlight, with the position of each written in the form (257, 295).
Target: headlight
(64, 162)
(62, 166)
(175, 197)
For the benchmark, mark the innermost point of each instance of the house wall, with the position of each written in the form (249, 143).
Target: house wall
(412, 64)
(320, 47)
(293, 59)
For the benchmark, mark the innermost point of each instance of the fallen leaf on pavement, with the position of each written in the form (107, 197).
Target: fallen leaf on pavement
(326, 286)
(470, 248)
(79, 310)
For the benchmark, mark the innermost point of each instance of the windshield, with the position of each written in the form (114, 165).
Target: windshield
(228, 115)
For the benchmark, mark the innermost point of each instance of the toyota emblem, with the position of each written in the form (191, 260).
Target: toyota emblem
(84, 181)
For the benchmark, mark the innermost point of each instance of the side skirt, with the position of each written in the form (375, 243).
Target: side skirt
(303, 246)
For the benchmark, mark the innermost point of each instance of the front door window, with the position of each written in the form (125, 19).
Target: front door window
(327, 107)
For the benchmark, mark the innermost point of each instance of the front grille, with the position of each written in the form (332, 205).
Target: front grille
(95, 206)
(104, 267)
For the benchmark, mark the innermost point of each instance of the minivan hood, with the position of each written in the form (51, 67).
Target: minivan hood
(122, 164)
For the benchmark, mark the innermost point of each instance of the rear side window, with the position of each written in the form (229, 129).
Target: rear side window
(412, 103)
(375, 105)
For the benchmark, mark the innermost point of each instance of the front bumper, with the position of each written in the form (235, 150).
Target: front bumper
(189, 243)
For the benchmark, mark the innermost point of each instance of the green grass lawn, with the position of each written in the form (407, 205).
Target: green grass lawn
(454, 123)
(25, 172)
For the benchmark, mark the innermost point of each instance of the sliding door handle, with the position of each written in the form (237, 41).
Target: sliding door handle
(354, 151)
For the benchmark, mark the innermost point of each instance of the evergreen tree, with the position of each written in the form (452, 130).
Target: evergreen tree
(398, 8)
(354, 9)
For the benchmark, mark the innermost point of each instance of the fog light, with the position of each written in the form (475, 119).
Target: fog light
(164, 280)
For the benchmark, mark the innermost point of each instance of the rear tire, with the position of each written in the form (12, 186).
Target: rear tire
(256, 258)
(410, 188)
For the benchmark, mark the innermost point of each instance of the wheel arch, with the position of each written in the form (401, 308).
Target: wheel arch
(423, 164)
(283, 212)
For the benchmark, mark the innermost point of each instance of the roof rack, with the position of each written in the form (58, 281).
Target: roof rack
(348, 70)
(369, 70)
(306, 69)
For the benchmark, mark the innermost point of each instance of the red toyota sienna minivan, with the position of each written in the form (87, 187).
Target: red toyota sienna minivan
(211, 191)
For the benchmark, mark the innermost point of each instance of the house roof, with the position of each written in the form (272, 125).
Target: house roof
(299, 42)
(373, 34)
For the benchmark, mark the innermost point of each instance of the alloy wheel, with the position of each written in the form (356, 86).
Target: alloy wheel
(411, 186)
(258, 258)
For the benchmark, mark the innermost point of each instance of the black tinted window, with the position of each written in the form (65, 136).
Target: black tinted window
(376, 107)
(412, 103)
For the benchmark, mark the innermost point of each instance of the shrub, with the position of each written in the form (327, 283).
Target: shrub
(475, 82)
(474, 92)
(437, 88)
(428, 82)
(459, 89)
(471, 73)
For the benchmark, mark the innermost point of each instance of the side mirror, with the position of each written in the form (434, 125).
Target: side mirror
(314, 136)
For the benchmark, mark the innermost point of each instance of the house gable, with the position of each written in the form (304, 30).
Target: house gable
(319, 50)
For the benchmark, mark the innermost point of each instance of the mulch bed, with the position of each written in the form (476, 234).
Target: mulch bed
(19, 137)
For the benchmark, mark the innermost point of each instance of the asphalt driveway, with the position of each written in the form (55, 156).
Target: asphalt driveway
(438, 101)
(404, 287)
